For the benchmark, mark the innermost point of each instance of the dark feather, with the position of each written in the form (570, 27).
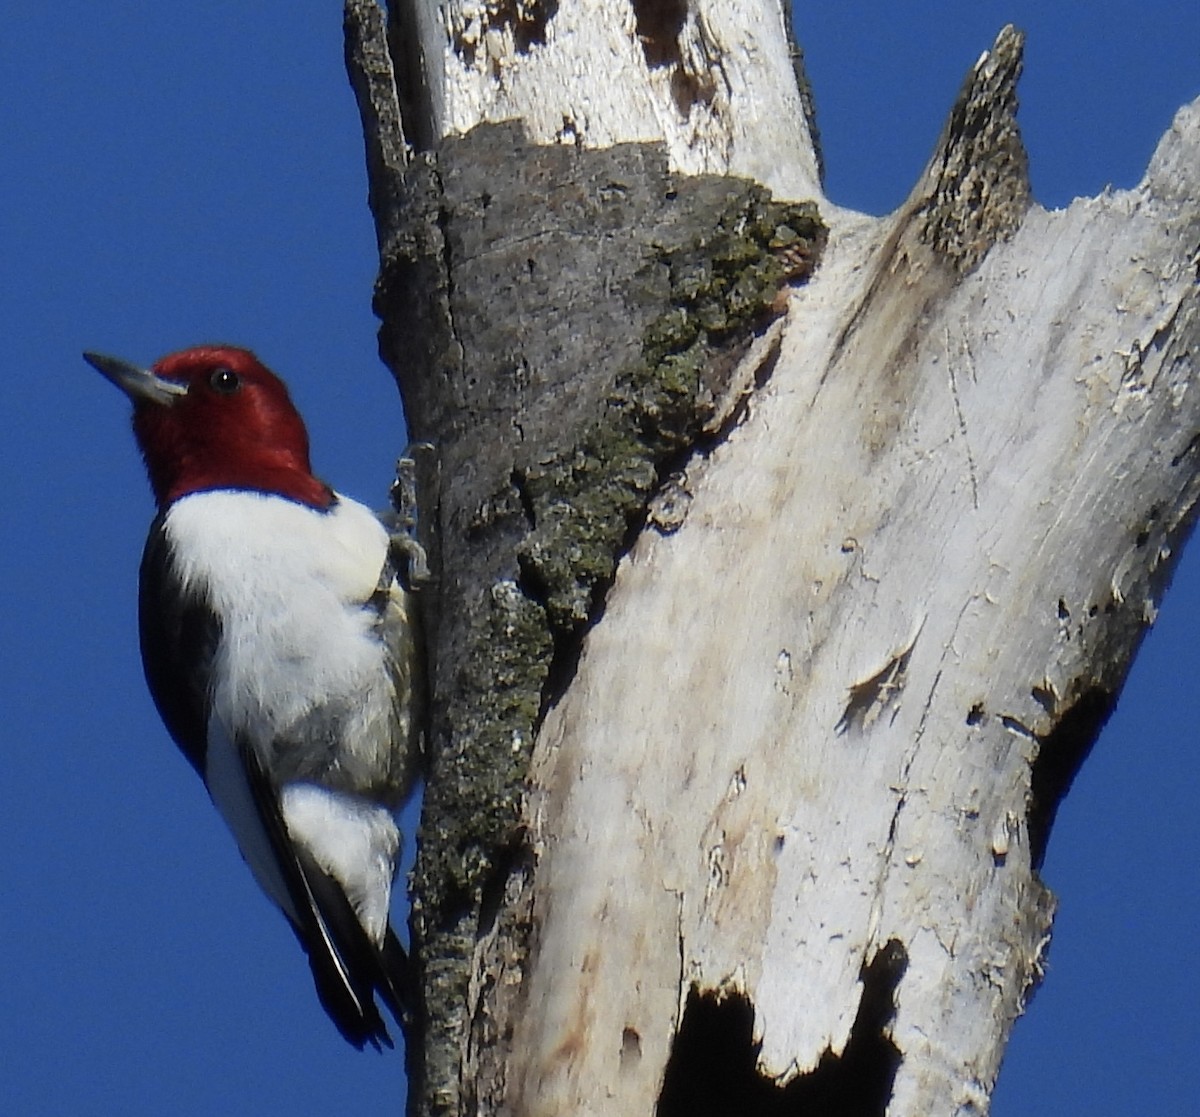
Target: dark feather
(179, 636)
(348, 969)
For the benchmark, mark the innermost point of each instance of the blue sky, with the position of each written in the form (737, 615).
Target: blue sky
(174, 178)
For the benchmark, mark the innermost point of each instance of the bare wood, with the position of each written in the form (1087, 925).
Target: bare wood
(887, 589)
(714, 82)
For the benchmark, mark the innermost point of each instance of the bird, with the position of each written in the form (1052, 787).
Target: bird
(281, 645)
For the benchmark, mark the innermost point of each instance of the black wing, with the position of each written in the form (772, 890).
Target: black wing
(348, 968)
(179, 636)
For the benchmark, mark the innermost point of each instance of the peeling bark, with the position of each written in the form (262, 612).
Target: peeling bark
(790, 560)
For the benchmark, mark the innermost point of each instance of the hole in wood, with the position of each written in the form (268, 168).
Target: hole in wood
(658, 25)
(712, 1072)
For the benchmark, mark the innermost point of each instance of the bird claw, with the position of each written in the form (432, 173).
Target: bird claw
(403, 517)
(416, 561)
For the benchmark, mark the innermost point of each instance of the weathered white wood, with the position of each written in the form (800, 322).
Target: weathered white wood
(806, 724)
(718, 89)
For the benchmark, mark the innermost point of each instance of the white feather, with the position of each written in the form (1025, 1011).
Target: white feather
(354, 841)
(289, 583)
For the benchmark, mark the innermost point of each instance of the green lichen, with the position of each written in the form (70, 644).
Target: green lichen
(501, 686)
(472, 813)
(583, 502)
(724, 282)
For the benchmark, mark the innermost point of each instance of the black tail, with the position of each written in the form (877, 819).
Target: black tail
(348, 968)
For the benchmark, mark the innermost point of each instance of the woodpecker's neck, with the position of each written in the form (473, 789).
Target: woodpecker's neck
(182, 459)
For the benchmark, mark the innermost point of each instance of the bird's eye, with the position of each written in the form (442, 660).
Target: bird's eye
(224, 381)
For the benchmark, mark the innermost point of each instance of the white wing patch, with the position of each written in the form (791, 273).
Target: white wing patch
(354, 841)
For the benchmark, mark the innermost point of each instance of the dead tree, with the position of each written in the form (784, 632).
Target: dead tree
(788, 560)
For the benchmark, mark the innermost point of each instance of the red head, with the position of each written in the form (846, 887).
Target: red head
(214, 417)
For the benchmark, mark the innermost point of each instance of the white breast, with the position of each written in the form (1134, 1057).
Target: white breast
(299, 660)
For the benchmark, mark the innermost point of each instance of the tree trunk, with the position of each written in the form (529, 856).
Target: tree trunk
(789, 560)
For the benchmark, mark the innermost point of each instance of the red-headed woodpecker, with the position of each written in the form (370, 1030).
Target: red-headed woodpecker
(281, 650)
